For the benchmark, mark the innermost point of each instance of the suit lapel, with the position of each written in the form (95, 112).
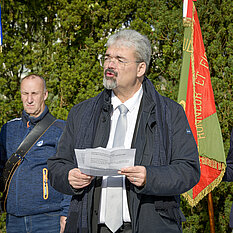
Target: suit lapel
(103, 130)
(100, 140)
(103, 125)
(144, 132)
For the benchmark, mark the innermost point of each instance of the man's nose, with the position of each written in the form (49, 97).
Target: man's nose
(30, 98)
(112, 63)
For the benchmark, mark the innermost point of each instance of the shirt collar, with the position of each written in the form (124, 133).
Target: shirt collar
(130, 103)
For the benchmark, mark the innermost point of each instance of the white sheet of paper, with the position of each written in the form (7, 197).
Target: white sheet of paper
(104, 161)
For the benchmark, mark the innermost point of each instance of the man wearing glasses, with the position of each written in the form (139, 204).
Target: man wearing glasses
(129, 113)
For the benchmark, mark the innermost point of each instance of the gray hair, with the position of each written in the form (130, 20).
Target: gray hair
(32, 76)
(132, 38)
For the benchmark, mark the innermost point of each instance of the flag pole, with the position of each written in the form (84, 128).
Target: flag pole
(211, 212)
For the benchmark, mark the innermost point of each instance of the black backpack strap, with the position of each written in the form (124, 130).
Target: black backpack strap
(35, 134)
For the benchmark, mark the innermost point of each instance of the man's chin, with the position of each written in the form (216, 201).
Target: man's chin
(109, 83)
(29, 112)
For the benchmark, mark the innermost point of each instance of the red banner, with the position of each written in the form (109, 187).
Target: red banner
(197, 97)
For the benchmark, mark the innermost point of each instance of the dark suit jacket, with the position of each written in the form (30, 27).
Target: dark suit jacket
(228, 176)
(164, 145)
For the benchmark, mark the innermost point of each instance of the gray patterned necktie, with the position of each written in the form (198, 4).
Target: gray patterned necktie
(121, 127)
(114, 198)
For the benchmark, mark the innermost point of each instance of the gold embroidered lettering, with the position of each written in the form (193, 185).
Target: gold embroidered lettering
(200, 80)
(204, 61)
(187, 45)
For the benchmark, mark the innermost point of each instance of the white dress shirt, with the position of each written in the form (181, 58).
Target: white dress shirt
(133, 106)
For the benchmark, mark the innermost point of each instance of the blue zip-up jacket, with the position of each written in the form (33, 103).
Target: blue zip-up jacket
(30, 192)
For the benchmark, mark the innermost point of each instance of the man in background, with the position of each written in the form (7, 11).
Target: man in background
(32, 204)
(228, 176)
(129, 113)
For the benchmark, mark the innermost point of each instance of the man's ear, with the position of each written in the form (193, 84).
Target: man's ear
(141, 69)
(45, 95)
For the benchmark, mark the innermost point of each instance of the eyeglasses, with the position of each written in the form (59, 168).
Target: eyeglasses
(118, 61)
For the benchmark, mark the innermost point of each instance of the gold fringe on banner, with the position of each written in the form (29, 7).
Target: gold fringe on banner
(187, 22)
(211, 163)
(206, 190)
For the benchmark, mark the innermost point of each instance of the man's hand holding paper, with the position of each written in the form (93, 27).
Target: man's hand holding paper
(104, 161)
(136, 175)
(77, 179)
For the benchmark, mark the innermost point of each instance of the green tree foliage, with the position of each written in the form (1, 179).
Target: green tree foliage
(62, 40)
